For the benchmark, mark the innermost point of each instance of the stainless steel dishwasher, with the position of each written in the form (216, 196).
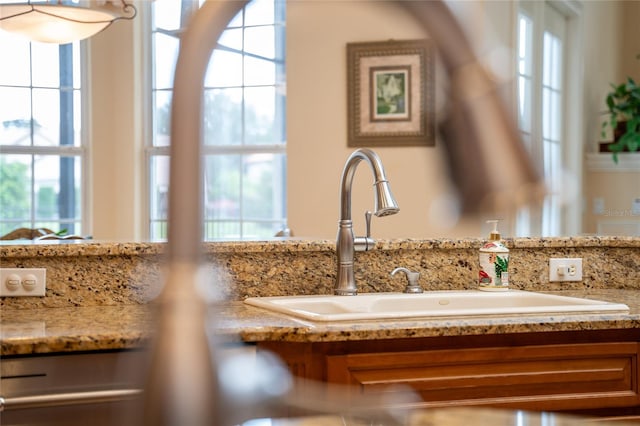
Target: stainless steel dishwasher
(96, 388)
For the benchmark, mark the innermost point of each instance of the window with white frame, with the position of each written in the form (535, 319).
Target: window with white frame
(41, 147)
(244, 121)
(541, 62)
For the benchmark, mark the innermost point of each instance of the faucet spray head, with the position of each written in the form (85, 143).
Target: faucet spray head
(385, 203)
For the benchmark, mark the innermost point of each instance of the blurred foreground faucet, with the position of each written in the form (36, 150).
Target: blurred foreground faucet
(488, 163)
(183, 387)
(346, 243)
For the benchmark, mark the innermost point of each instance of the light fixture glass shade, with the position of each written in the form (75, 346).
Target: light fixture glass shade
(57, 23)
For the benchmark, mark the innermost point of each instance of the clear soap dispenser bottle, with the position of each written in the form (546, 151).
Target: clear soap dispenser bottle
(494, 263)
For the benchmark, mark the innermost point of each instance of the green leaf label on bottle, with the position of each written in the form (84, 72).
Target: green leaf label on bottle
(493, 270)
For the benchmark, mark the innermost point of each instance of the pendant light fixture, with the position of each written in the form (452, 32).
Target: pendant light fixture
(61, 21)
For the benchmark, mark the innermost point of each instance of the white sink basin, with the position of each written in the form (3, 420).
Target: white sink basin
(430, 304)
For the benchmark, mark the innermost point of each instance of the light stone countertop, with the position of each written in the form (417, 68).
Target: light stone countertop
(96, 273)
(95, 328)
(459, 417)
(27, 248)
(98, 297)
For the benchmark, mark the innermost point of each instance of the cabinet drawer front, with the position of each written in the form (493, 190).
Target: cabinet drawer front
(535, 377)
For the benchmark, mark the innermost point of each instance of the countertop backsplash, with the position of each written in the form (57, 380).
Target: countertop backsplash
(92, 273)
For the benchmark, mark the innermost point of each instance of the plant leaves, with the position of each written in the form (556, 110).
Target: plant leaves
(634, 142)
(501, 265)
(623, 103)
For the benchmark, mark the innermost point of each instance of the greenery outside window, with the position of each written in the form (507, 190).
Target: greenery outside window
(244, 121)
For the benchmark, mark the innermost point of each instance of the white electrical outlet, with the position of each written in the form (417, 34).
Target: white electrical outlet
(23, 281)
(569, 269)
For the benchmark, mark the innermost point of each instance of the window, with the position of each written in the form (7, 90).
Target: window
(244, 121)
(41, 147)
(541, 61)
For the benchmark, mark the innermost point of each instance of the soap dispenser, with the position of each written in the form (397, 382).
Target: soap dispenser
(494, 263)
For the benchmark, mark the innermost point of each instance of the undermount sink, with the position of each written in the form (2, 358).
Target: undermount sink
(430, 304)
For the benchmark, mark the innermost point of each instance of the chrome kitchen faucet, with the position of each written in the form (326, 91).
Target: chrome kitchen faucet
(346, 243)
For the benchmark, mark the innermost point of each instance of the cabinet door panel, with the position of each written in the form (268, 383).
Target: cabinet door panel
(536, 377)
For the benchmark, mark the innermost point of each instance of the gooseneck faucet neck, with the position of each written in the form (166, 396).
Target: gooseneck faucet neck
(346, 243)
(385, 204)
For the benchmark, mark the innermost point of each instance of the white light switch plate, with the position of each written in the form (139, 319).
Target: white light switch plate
(565, 269)
(23, 282)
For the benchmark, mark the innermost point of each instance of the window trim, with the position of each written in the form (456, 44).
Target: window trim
(145, 51)
(572, 112)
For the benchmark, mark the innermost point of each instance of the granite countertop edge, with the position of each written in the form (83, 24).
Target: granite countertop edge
(27, 248)
(98, 328)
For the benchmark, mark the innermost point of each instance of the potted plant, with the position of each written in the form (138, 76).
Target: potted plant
(623, 104)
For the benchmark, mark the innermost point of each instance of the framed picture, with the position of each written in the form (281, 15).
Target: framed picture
(390, 93)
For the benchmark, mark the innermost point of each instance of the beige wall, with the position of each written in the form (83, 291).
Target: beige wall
(602, 63)
(317, 34)
(616, 216)
(631, 40)
(317, 121)
(610, 186)
(317, 112)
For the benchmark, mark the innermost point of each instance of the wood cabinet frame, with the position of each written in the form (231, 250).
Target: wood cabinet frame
(589, 372)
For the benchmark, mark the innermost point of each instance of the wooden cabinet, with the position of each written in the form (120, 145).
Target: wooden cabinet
(587, 372)
(535, 377)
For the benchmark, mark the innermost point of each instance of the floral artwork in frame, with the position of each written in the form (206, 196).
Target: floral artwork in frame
(390, 93)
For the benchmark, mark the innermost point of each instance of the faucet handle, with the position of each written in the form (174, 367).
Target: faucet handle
(367, 221)
(412, 277)
(365, 243)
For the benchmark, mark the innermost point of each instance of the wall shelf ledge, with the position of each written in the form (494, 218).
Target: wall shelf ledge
(603, 162)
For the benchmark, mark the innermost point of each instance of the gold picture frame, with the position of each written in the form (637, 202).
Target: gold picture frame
(390, 93)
